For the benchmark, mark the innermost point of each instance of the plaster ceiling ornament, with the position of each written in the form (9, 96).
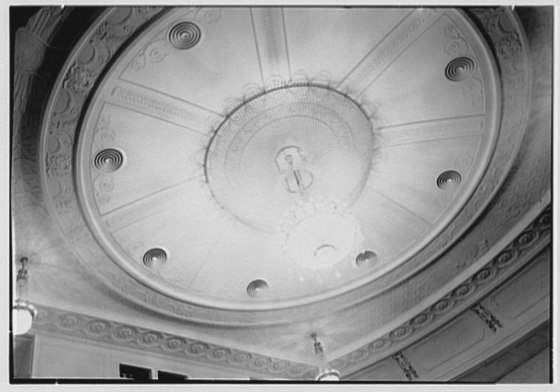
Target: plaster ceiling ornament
(263, 180)
(285, 145)
(244, 175)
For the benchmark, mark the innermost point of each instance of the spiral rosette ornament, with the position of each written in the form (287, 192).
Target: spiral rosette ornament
(448, 180)
(366, 258)
(184, 35)
(108, 160)
(155, 258)
(459, 69)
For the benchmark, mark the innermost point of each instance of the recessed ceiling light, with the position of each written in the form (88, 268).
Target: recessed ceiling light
(459, 69)
(257, 287)
(366, 258)
(448, 180)
(108, 160)
(155, 258)
(184, 35)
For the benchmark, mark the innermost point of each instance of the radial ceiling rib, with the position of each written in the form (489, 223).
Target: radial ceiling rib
(404, 208)
(164, 107)
(185, 223)
(426, 131)
(145, 207)
(382, 55)
(388, 226)
(229, 268)
(199, 266)
(416, 185)
(270, 40)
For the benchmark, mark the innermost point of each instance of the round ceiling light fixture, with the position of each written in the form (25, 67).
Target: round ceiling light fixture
(184, 35)
(155, 258)
(448, 180)
(257, 287)
(23, 314)
(108, 160)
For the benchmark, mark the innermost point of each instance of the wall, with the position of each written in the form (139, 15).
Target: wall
(23, 356)
(534, 371)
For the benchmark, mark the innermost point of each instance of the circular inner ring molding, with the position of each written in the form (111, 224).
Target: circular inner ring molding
(286, 144)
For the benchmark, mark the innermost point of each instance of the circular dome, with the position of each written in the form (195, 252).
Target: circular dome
(286, 144)
(214, 150)
(221, 174)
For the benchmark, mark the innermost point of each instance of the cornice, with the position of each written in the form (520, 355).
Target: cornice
(82, 326)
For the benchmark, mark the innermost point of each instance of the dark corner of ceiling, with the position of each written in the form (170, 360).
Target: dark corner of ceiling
(74, 22)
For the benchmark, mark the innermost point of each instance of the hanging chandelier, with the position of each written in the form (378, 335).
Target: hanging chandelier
(326, 373)
(22, 311)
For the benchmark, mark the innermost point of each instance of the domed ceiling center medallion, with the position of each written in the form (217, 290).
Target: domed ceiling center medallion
(289, 144)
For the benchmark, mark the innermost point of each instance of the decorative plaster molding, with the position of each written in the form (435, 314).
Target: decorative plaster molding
(155, 52)
(405, 366)
(382, 55)
(485, 315)
(270, 38)
(473, 89)
(82, 326)
(455, 44)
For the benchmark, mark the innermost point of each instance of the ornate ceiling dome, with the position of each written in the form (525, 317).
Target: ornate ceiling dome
(259, 167)
(218, 153)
